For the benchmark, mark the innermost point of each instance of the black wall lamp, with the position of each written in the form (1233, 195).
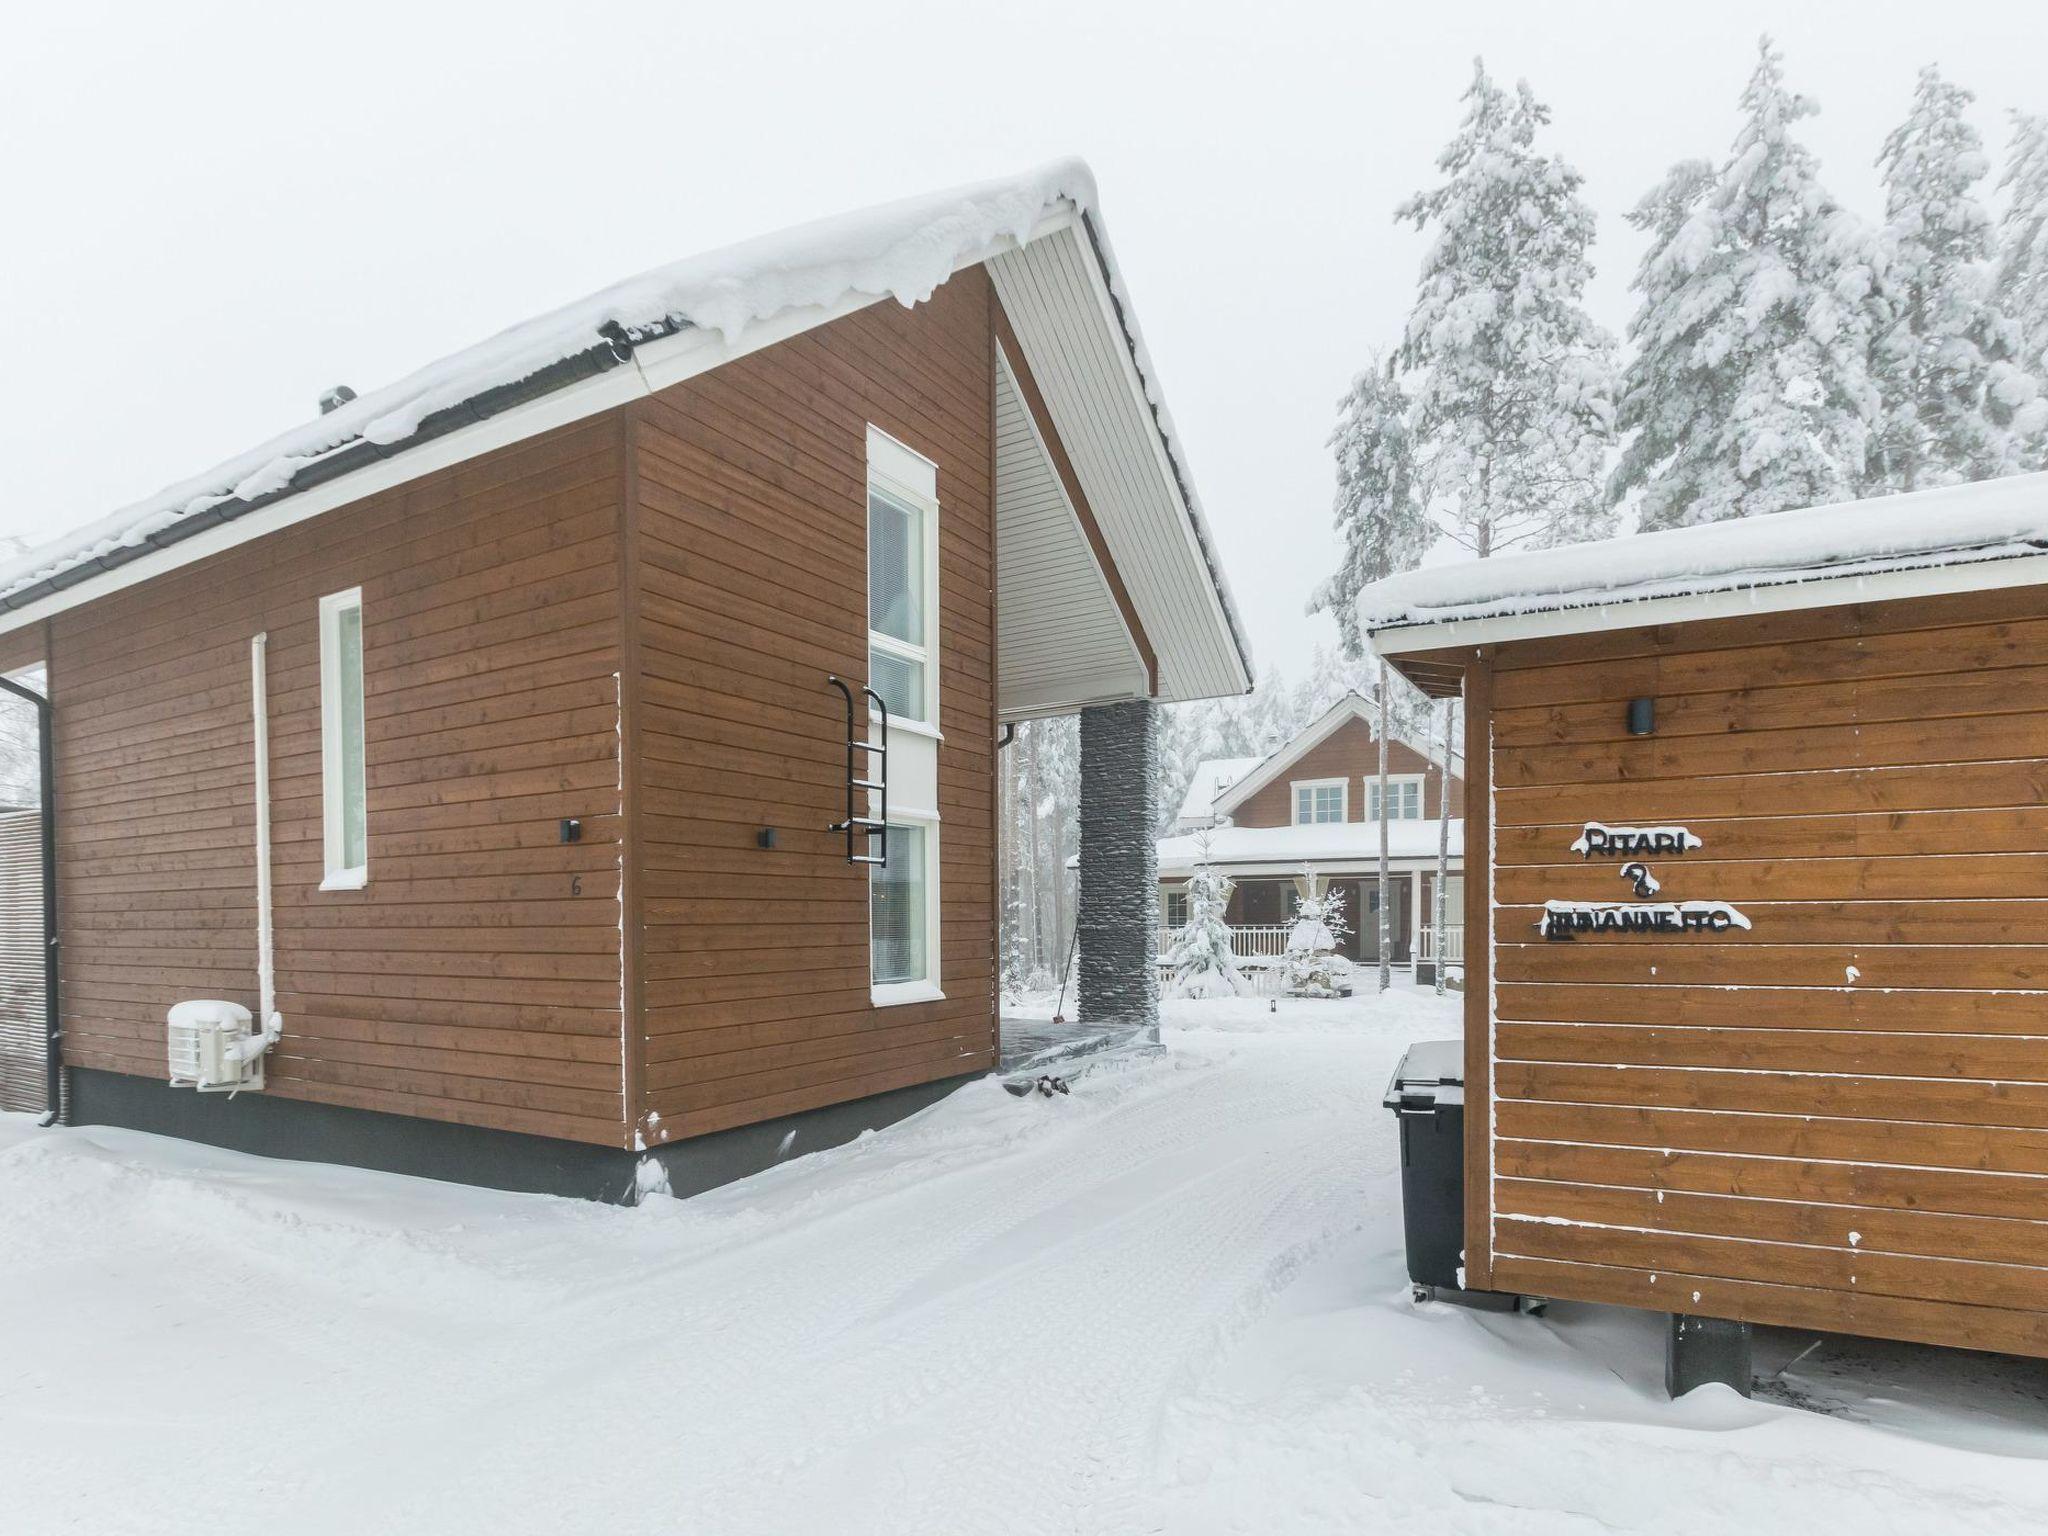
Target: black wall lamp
(1642, 717)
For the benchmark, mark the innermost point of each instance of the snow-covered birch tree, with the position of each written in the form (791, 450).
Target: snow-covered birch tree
(1749, 389)
(1379, 510)
(2021, 286)
(1955, 398)
(1511, 381)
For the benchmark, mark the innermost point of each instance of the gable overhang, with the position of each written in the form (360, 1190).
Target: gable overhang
(1074, 336)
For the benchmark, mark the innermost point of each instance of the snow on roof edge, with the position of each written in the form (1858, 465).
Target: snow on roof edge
(902, 250)
(1981, 521)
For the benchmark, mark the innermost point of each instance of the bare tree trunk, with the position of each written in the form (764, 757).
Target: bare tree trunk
(1443, 854)
(1386, 882)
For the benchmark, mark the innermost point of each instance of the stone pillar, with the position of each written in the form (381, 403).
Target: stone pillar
(1119, 882)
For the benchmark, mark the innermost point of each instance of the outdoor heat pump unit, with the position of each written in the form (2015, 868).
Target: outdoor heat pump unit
(215, 1047)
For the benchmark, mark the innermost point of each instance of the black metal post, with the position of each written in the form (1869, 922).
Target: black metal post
(53, 1016)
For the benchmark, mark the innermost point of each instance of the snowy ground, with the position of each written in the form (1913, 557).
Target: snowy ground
(1173, 1301)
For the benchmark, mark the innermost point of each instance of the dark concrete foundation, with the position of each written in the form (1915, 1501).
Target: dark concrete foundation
(1119, 884)
(1699, 1350)
(273, 1126)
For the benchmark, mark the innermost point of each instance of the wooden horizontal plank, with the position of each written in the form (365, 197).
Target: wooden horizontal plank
(1850, 1229)
(1838, 923)
(1698, 960)
(2018, 829)
(1842, 1270)
(1994, 1149)
(1913, 1010)
(2018, 1058)
(1940, 787)
(1966, 1192)
(1966, 1098)
(1945, 877)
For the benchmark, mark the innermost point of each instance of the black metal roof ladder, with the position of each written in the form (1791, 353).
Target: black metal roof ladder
(876, 779)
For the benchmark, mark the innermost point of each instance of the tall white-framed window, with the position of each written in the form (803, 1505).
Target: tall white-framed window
(903, 656)
(1404, 797)
(903, 580)
(344, 778)
(1318, 800)
(903, 915)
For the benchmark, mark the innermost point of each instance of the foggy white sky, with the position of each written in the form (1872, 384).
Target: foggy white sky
(213, 212)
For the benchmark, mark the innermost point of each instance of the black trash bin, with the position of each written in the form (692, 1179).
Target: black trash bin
(1427, 1097)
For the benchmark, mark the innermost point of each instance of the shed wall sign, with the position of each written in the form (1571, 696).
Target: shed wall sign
(1600, 840)
(1569, 919)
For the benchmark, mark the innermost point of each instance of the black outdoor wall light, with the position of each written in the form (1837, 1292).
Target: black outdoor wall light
(1642, 717)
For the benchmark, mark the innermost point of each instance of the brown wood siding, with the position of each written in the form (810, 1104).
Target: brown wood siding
(476, 978)
(751, 516)
(1837, 1118)
(1350, 753)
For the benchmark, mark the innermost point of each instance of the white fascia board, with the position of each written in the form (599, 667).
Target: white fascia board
(1211, 578)
(655, 365)
(1732, 602)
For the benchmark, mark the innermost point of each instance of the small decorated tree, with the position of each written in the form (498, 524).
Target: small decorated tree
(1313, 967)
(1201, 958)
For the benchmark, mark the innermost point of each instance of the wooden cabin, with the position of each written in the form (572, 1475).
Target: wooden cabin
(1761, 1033)
(1313, 804)
(495, 736)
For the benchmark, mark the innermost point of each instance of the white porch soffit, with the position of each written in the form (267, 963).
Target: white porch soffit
(1061, 641)
(1078, 343)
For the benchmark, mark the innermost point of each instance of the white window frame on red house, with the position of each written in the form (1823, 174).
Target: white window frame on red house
(1312, 789)
(1405, 789)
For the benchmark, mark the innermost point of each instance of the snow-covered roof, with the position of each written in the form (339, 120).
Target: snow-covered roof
(1319, 843)
(776, 285)
(1213, 775)
(1267, 770)
(1963, 537)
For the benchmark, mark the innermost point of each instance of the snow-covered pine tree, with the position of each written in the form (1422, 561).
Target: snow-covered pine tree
(1749, 388)
(1313, 967)
(1378, 509)
(1201, 958)
(1511, 381)
(2021, 287)
(1955, 400)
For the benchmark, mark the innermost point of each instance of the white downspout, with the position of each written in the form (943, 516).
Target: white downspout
(271, 1024)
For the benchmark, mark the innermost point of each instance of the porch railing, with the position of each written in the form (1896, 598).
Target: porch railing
(1254, 941)
(1454, 944)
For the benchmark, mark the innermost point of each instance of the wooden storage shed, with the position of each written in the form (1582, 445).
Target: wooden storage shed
(492, 739)
(1761, 1031)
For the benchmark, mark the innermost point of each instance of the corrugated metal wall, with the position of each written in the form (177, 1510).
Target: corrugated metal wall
(23, 1039)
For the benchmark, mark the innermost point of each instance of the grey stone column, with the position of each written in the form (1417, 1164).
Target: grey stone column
(1119, 916)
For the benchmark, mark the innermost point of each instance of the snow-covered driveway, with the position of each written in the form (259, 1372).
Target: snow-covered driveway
(1172, 1301)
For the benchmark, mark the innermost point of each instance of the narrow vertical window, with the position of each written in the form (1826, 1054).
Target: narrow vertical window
(903, 653)
(344, 780)
(903, 514)
(898, 912)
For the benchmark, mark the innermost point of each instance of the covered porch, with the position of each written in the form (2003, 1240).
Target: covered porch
(1263, 904)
